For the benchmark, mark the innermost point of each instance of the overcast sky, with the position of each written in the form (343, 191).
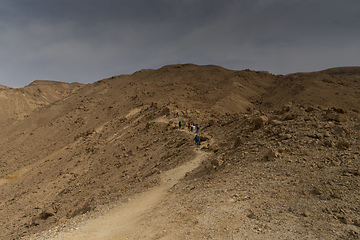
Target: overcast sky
(88, 40)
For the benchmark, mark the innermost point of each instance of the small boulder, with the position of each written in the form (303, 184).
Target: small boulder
(328, 143)
(306, 214)
(342, 145)
(217, 163)
(238, 142)
(271, 155)
(284, 136)
(165, 111)
(259, 122)
(275, 122)
(357, 222)
(338, 110)
(285, 109)
(336, 117)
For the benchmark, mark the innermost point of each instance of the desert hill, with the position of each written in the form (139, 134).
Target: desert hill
(279, 154)
(337, 87)
(15, 103)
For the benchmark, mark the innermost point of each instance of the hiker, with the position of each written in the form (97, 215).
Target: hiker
(177, 114)
(197, 129)
(193, 128)
(189, 127)
(197, 140)
(180, 124)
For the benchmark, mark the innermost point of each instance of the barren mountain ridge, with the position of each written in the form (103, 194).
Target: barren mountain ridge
(279, 156)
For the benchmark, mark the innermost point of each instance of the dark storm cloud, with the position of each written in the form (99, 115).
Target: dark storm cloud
(87, 40)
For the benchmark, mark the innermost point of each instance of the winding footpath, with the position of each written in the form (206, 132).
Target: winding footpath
(125, 220)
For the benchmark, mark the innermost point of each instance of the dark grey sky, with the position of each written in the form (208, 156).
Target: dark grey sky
(88, 40)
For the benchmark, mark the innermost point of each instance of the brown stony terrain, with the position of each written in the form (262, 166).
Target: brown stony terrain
(279, 159)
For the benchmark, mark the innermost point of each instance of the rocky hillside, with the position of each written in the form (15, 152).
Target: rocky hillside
(338, 87)
(282, 153)
(17, 103)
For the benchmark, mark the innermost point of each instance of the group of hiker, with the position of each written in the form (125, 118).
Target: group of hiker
(194, 129)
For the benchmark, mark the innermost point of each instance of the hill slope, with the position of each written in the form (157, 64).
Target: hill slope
(15, 104)
(283, 153)
(337, 87)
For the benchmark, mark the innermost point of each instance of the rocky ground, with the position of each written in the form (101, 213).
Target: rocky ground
(282, 157)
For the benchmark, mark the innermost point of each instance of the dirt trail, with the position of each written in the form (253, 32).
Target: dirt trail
(126, 221)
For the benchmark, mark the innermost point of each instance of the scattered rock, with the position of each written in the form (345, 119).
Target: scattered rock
(306, 214)
(344, 220)
(238, 142)
(214, 148)
(290, 116)
(285, 109)
(310, 109)
(45, 215)
(203, 139)
(338, 110)
(357, 222)
(81, 209)
(336, 117)
(285, 136)
(217, 163)
(271, 155)
(342, 145)
(340, 131)
(275, 122)
(165, 111)
(317, 191)
(259, 122)
(251, 215)
(328, 143)
(212, 122)
(283, 150)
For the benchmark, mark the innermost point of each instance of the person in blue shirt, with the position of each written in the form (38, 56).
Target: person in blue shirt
(197, 140)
